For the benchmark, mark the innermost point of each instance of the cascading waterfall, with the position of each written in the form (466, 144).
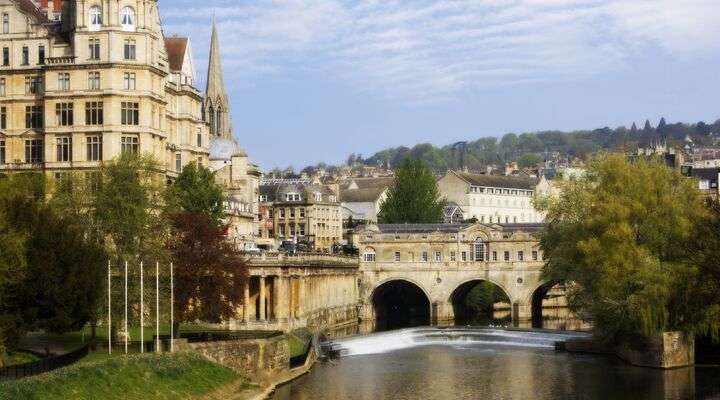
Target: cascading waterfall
(384, 342)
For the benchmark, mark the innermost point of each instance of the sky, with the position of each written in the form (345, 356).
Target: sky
(313, 81)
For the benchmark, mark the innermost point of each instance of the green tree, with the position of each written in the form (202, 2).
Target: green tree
(483, 296)
(195, 191)
(619, 233)
(414, 196)
(529, 160)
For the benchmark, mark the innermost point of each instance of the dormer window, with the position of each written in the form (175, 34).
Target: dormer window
(95, 18)
(263, 198)
(292, 197)
(127, 19)
(318, 196)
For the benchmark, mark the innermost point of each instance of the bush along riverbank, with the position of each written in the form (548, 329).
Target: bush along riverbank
(146, 376)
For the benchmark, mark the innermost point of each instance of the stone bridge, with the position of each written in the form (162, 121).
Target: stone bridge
(436, 265)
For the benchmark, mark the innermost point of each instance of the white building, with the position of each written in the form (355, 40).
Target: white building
(494, 199)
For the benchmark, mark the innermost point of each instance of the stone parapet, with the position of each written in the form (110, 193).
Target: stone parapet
(272, 259)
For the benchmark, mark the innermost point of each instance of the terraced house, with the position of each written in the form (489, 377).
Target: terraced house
(83, 81)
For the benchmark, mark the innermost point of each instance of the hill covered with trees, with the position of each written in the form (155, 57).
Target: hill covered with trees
(530, 148)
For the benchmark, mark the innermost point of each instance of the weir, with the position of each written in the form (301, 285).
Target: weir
(384, 342)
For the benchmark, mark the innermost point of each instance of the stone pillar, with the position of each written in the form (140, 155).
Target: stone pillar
(301, 296)
(282, 300)
(246, 301)
(263, 315)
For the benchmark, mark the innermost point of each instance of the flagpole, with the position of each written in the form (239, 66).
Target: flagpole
(157, 307)
(109, 312)
(126, 308)
(172, 311)
(142, 311)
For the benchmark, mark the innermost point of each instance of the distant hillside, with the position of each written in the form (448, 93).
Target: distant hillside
(530, 148)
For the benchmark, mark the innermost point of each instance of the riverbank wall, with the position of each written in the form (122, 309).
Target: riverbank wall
(666, 350)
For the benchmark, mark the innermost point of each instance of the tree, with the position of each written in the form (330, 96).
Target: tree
(195, 191)
(209, 273)
(619, 233)
(414, 196)
(529, 160)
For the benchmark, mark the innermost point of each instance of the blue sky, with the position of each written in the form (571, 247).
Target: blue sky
(314, 81)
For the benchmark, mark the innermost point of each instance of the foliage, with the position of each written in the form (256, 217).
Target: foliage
(619, 232)
(414, 196)
(512, 147)
(208, 272)
(483, 296)
(195, 191)
(148, 376)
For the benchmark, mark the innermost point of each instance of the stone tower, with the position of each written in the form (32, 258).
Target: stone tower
(217, 106)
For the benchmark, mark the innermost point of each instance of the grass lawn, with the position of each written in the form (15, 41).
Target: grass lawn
(298, 341)
(20, 357)
(146, 376)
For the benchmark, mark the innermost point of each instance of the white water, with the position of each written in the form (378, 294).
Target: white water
(384, 342)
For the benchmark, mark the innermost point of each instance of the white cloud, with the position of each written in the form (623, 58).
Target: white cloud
(422, 50)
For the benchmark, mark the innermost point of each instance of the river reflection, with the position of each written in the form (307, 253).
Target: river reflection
(475, 371)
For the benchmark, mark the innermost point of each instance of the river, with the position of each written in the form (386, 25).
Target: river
(460, 363)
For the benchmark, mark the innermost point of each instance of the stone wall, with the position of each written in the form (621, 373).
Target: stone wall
(664, 350)
(326, 318)
(258, 359)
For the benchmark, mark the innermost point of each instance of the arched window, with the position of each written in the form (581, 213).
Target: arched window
(95, 18)
(127, 19)
(6, 23)
(369, 254)
(218, 121)
(479, 249)
(211, 120)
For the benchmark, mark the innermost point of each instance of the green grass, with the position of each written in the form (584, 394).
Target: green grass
(20, 357)
(146, 376)
(298, 341)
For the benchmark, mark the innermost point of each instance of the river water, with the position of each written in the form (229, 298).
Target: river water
(458, 363)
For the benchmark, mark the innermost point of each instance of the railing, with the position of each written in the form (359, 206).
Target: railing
(60, 60)
(265, 258)
(223, 336)
(44, 365)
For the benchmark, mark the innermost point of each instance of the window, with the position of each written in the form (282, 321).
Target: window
(129, 113)
(534, 255)
(93, 180)
(25, 55)
(281, 230)
(369, 255)
(479, 249)
(33, 151)
(302, 212)
(95, 18)
(129, 49)
(33, 84)
(199, 137)
(292, 197)
(41, 55)
(397, 256)
(94, 148)
(94, 49)
(129, 79)
(520, 256)
(438, 256)
(301, 228)
(452, 256)
(178, 162)
(127, 19)
(33, 117)
(494, 256)
(64, 114)
(424, 256)
(506, 256)
(64, 81)
(3, 117)
(6, 23)
(94, 80)
(2, 152)
(2, 86)
(292, 213)
(6, 56)
(64, 149)
(129, 145)
(94, 113)
(263, 197)
(463, 256)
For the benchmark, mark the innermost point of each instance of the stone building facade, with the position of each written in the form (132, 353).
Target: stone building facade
(440, 259)
(82, 82)
(302, 212)
(493, 198)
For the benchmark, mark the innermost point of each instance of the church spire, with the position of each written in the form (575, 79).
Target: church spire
(217, 109)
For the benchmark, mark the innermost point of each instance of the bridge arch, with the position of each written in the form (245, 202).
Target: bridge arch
(549, 307)
(473, 301)
(400, 303)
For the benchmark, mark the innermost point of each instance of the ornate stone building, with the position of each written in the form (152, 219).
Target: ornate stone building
(233, 170)
(83, 81)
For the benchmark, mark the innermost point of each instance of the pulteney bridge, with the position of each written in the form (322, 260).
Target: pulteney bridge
(425, 271)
